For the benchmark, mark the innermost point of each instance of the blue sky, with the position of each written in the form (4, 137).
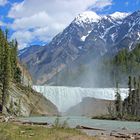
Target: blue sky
(123, 6)
(38, 21)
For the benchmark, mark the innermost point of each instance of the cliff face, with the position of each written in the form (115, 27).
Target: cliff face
(24, 101)
(26, 78)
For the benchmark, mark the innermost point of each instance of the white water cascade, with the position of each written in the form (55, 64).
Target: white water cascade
(66, 97)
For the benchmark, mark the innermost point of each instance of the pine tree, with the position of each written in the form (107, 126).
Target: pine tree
(9, 70)
(6, 33)
(133, 107)
(118, 102)
(1, 55)
(6, 77)
(130, 95)
(17, 74)
(138, 97)
(138, 89)
(15, 70)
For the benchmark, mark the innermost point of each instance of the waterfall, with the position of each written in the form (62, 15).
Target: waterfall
(66, 97)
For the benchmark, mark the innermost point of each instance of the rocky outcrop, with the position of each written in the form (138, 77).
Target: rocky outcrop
(90, 107)
(26, 78)
(24, 101)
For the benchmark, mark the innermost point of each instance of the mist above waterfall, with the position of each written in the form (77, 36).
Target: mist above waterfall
(92, 73)
(82, 75)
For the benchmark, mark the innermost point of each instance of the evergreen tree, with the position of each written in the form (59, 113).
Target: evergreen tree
(134, 97)
(6, 33)
(6, 77)
(130, 95)
(9, 70)
(118, 102)
(1, 55)
(16, 72)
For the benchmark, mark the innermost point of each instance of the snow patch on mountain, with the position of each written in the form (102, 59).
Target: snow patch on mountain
(22, 51)
(119, 15)
(83, 38)
(138, 36)
(87, 17)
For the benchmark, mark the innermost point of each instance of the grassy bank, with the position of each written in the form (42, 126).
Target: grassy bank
(11, 131)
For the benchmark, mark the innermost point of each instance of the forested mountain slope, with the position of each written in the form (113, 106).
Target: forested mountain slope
(16, 95)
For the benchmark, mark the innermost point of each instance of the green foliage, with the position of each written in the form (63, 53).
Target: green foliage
(128, 63)
(9, 70)
(4, 135)
(15, 70)
(118, 103)
(17, 75)
(11, 131)
(6, 73)
(132, 103)
(130, 107)
(119, 67)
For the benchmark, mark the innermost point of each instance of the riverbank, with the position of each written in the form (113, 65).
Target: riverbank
(12, 131)
(61, 129)
(108, 117)
(19, 131)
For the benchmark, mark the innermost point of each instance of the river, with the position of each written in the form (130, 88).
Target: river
(73, 121)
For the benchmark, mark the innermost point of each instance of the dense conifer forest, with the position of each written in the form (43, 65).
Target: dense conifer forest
(125, 63)
(130, 107)
(117, 68)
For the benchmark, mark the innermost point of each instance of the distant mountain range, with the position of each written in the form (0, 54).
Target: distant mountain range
(83, 42)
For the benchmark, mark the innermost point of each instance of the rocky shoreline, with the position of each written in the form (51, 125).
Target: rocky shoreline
(122, 134)
(102, 134)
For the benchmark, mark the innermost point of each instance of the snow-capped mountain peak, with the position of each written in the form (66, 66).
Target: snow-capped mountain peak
(119, 15)
(86, 39)
(90, 17)
(87, 17)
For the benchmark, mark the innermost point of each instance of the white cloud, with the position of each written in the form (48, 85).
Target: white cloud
(46, 18)
(99, 5)
(23, 37)
(3, 2)
(38, 20)
(1, 23)
(126, 3)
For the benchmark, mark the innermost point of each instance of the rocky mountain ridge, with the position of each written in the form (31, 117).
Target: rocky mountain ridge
(84, 41)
